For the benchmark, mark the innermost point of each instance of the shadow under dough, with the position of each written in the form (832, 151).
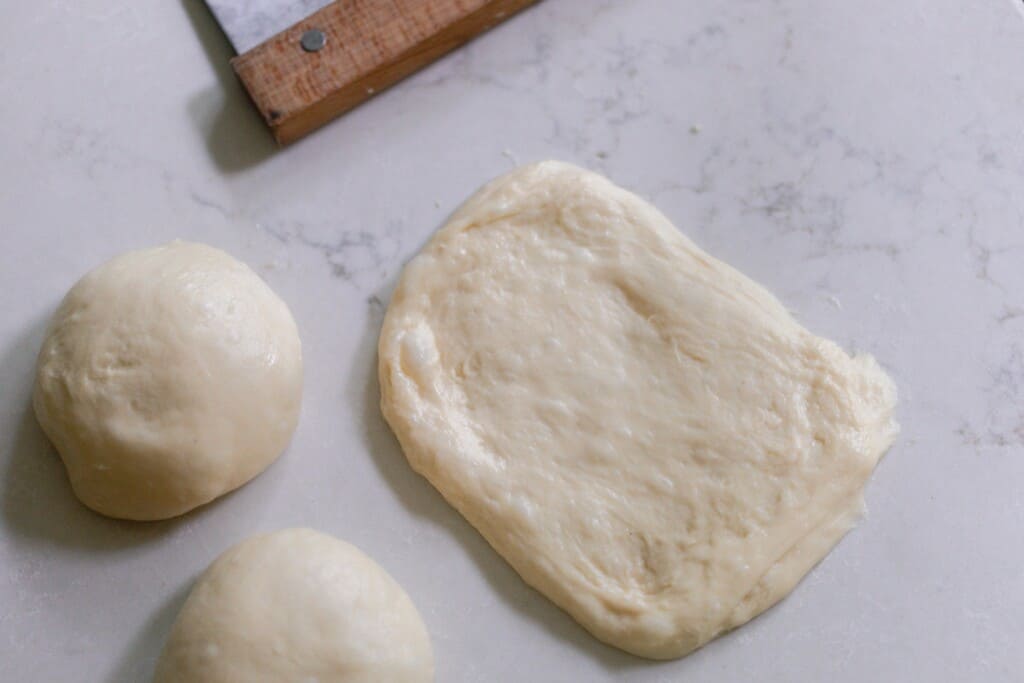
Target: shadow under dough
(225, 117)
(138, 662)
(422, 499)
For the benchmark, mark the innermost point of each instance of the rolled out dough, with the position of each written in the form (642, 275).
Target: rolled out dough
(299, 606)
(646, 435)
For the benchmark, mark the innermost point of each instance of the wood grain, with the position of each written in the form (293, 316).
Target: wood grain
(371, 44)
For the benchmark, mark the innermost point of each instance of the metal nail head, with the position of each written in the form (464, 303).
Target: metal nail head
(313, 40)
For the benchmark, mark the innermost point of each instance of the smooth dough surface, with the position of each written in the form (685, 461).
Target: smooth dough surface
(645, 435)
(168, 377)
(296, 606)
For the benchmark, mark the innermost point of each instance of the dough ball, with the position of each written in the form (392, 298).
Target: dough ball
(167, 378)
(645, 434)
(296, 606)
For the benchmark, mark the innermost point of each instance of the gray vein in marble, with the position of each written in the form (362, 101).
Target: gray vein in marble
(1003, 425)
(357, 256)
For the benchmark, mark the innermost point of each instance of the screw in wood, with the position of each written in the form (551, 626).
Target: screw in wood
(313, 40)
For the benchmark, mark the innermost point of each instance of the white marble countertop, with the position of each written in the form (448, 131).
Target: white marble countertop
(864, 160)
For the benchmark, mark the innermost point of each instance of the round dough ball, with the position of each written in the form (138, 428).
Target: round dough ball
(297, 605)
(167, 378)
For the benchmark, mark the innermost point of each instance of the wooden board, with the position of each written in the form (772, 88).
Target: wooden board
(371, 44)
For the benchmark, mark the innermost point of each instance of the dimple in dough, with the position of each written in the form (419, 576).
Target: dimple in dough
(646, 435)
(168, 377)
(299, 606)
